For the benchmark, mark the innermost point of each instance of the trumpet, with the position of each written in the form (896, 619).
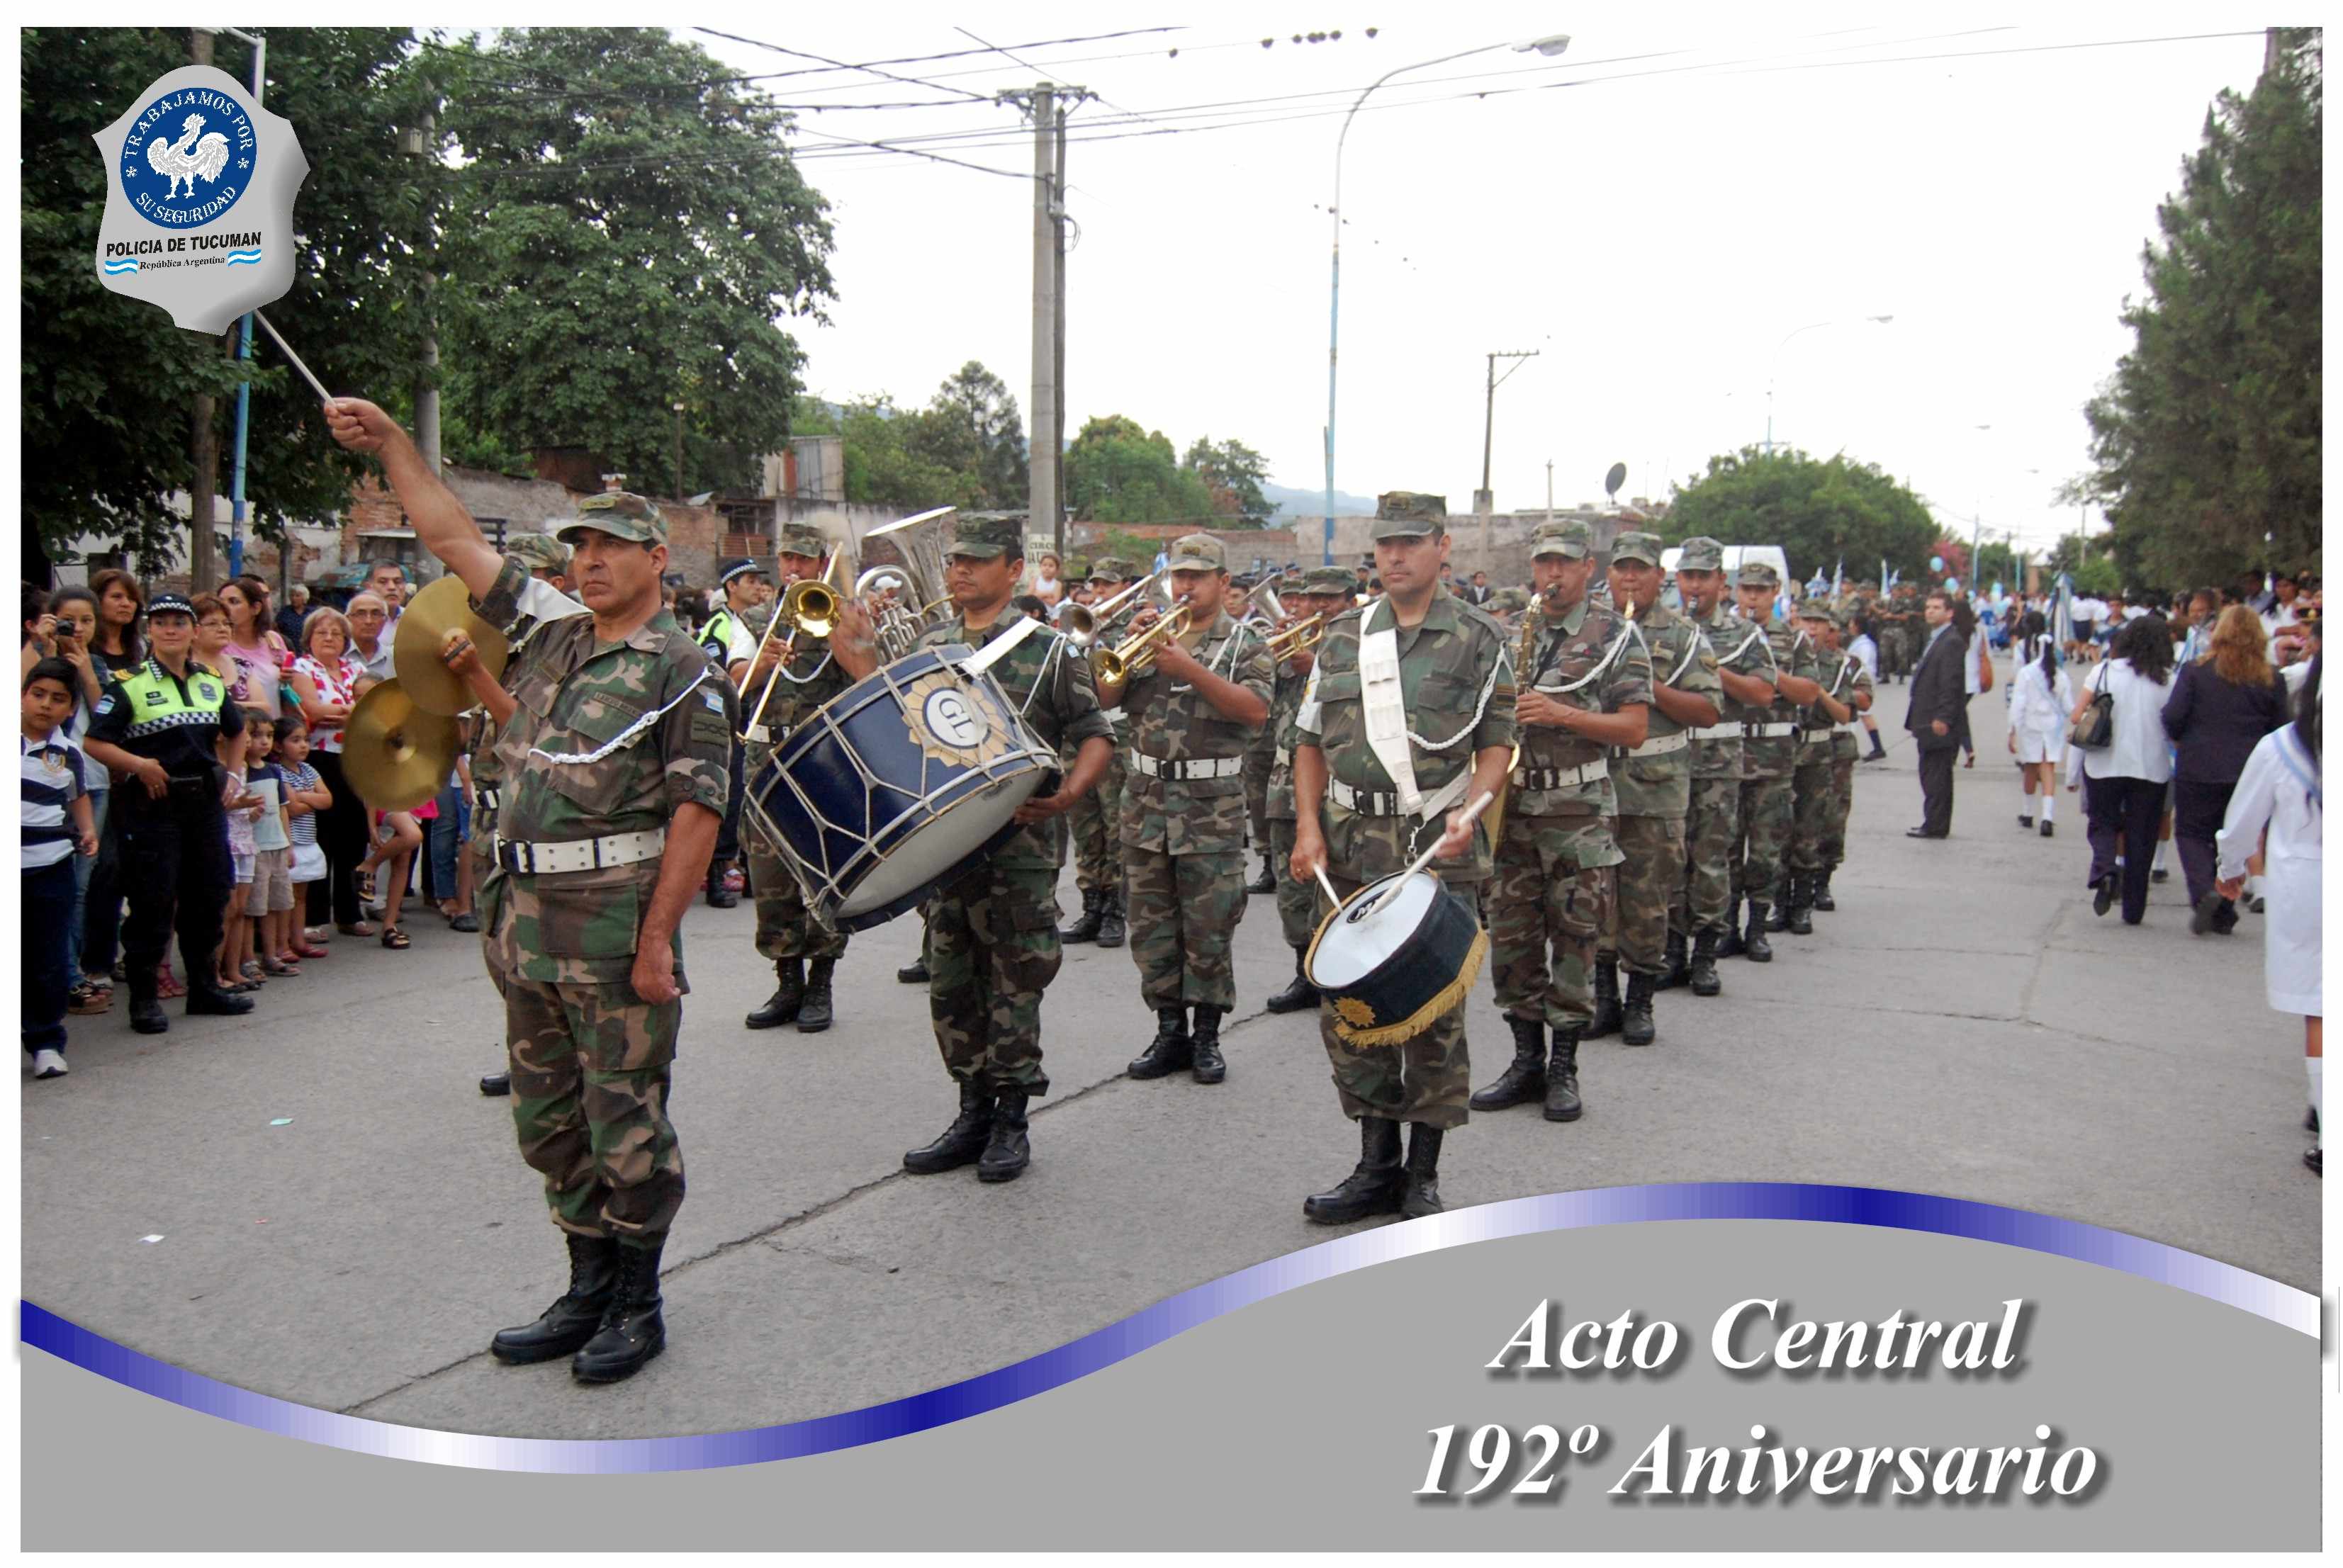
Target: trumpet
(1080, 622)
(1298, 637)
(811, 605)
(1116, 666)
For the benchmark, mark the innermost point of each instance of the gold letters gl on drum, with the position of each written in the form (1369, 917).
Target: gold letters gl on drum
(956, 722)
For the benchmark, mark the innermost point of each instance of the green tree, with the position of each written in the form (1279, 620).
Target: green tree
(1117, 472)
(971, 425)
(1234, 474)
(1819, 513)
(621, 234)
(108, 381)
(2205, 440)
(889, 453)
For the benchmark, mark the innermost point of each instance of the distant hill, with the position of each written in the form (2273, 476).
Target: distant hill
(1292, 503)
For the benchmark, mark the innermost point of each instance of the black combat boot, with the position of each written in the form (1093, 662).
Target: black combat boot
(915, 972)
(1110, 920)
(632, 1330)
(1562, 1104)
(1635, 1026)
(145, 1010)
(1703, 977)
(1778, 919)
(1675, 968)
(1299, 992)
(1524, 1080)
(1729, 945)
(814, 1013)
(1085, 928)
(571, 1321)
(1171, 1050)
(495, 1083)
(1375, 1187)
(206, 999)
(1819, 892)
(1006, 1152)
(719, 896)
(1754, 945)
(963, 1142)
(1801, 919)
(1267, 881)
(1421, 1195)
(788, 997)
(1204, 1043)
(1605, 1021)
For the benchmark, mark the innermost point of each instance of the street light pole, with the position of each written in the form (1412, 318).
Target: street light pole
(1552, 46)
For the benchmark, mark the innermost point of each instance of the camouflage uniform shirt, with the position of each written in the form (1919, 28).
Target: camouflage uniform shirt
(1284, 709)
(1794, 654)
(1741, 649)
(1564, 661)
(1845, 677)
(1659, 784)
(1172, 723)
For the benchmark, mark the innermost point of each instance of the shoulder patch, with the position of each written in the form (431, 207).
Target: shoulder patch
(711, 702)
(104, 704)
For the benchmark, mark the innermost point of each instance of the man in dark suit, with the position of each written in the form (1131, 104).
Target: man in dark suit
(1936, 715)
(1478, 590)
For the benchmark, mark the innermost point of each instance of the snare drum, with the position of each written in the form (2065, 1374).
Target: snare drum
(895, 783)
(1390, 973)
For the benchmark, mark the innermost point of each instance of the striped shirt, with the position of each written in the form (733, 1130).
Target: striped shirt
(301, 776)
(52, 775)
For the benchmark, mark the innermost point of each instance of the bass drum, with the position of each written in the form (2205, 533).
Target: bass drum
(1390, 968)
(895, 784)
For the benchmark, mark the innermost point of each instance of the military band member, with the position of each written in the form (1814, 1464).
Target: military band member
(803, 675)
(1585, 687)
(728, 642)
(1653, 781)
(1194, 707)
(1449, 736)
(614, 790)
(991, 946)
(1704, 906)
(1769, 746)
(1096, 820)
(1322, 591)
(1821, 841)
(1257, 607)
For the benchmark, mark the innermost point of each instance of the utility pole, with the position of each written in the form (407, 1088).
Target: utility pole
(1041, 101)
(678, 451)
(1483, 501)
(203, 487)
(426, 379)
(1058, 328)
(1549, 489)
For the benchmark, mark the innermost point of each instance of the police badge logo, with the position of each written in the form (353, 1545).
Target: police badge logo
(199, 199)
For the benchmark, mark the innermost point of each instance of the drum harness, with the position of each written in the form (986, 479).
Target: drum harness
(1752, 730)
(1395, 759)
(1659, 745)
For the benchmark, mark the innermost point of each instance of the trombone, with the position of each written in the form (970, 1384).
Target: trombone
(1080, 622)
(1116, 666)
(809, 605)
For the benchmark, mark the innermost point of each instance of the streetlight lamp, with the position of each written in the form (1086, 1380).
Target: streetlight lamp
(1775, 360)
(1553, 45)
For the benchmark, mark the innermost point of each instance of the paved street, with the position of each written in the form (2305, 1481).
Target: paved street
(1961, 1025)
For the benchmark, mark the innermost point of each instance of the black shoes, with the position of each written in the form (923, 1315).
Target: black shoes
(2159, 875)
(1729, 945)
(572, 1319)
(2026, 820)
(1171, 1050)
(1524, 1080)
(961, 1142)
(788, 997)
(1267, 881)
(1377, 1186)
(497, 1083)
(1754, 945)
(2046, 827)
(1676, 967)
(1925, 833)
(204, 1001)
(814, 1013)
(1085, 928)
(915, 972)
(1562, 1102)
(1877, 752)
(1420, 1192)
(1206, 1065)
(1111, 919)
(2215, 915)
(1605, 1021)
(1703, 977)
(2103, 894)
(719, 896)
(1635, 1026)
(1299, 992)
(1818, 893)
(1006, 1153)
(632, 1330)
(145, 1010)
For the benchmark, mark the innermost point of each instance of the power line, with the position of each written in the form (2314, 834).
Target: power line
(843, 66)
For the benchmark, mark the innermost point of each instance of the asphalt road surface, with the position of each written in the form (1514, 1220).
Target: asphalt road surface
(1961, 1025)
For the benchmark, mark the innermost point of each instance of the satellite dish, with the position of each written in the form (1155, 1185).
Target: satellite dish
(1614, 479)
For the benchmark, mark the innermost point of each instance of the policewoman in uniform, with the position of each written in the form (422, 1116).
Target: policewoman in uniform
(162, 723)
(613, 788)
(728, 644)
(1369, 793)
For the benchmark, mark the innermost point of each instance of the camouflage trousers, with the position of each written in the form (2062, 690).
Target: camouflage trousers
(1648, 881)
(1300, 905)
(1553, 884)
(1768, 815)
(1259, 761)
(1810, 788)
(1425, 1080)
(1840, 807)
(590, 1067)
(786, 927)
(1095, 821)
(1183, 916)
(991, 949)
(1711, 828)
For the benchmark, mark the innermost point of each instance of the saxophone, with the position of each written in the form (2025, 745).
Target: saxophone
(1533, 622)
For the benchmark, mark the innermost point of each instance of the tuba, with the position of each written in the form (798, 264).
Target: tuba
(918, 582)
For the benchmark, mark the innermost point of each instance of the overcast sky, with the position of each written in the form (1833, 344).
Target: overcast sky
(1685, 188)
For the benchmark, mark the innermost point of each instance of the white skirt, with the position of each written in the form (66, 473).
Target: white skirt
(2033, 747)
(2290, 955)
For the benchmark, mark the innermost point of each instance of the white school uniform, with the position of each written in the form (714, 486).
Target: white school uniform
(2038, 710)
(2278, 792)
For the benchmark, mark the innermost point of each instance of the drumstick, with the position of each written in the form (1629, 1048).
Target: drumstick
(1333, 897)
(1474, 810)
(319, 387)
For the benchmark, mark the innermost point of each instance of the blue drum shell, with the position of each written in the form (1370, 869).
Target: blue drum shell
(1419, 970)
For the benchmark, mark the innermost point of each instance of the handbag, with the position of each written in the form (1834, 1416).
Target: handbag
(2095, 731)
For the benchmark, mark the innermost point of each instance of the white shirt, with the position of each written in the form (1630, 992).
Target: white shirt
(2039, 704)
(2090, 609)
(1866, 652)
(2139, 749)
(2277, 616)
(2270, 795)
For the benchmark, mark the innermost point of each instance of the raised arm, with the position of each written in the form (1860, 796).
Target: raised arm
(440, 522)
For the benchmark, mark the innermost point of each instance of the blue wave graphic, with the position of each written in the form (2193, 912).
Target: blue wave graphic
(127, 264)
(2224, 1283)
(243, 258)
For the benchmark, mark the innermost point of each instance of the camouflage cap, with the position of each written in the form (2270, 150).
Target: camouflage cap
(1562, 536)
(1509, 601)
(1113, 570)
(1644, 547)
(987, 538)
(802, 540)
(1701, 554)
(1758, 574)
(1334, 582)
(1818, 609)
(539, 552)
(1197, 553)
(1414, 514)
(621, 514)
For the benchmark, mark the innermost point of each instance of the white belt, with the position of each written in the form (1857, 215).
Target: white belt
(487, 798)
(1203, 767)
(1112, 715)
(1658, 746)
(556, 855)
(1561, 778)
(1716, 732)
(1385, 802)
(1758, 731)
(1285, 757)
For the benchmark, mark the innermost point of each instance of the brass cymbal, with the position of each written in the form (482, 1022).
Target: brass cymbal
(393, 754)
(431, 615)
